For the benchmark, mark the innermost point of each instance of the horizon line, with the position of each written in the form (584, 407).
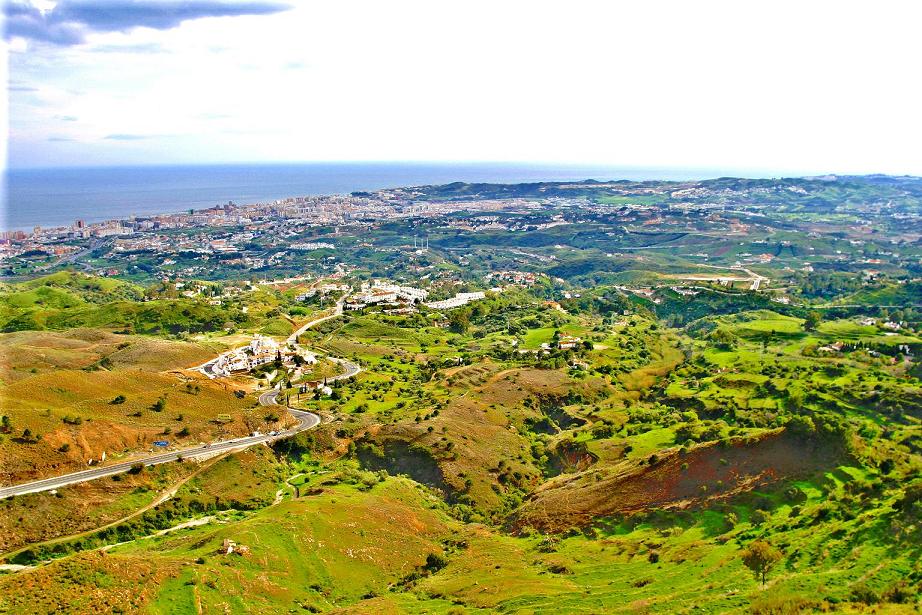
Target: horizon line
(708, 172)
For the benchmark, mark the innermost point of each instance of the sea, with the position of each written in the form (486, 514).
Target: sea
(54, 197)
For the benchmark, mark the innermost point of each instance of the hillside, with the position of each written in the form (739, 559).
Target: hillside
(71, 396)
(474, 465)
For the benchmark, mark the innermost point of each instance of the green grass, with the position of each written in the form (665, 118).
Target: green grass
(498, 431)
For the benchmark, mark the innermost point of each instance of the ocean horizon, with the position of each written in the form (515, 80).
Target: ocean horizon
(53, 197)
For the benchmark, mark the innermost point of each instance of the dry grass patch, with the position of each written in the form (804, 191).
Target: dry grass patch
(72, 396)
(94, 582)
(38, 517)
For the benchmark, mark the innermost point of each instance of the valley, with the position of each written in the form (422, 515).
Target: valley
(526, 414)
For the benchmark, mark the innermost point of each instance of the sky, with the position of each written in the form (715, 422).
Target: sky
(809, 87)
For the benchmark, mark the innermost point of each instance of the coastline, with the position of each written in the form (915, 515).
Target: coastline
(59, 196)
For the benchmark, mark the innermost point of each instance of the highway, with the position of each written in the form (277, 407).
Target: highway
(306, 420)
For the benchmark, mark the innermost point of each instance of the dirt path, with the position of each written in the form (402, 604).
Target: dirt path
(183, 525)
(160, 499)
(498, 375)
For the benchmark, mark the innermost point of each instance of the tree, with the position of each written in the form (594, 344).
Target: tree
(760, 557)
(723, 339)
(812, 321)
(459, 321)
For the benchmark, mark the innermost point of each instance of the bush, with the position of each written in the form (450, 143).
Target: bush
(549, 544)
(898, 593)
(759, 517)
(864, 594)
(435, 562)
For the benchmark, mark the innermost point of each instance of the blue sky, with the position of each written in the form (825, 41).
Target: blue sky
(778, 86)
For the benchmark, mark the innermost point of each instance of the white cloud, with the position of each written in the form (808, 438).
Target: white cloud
(771, 85)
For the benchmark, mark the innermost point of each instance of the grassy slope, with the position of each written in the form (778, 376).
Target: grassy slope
(342, 546)
(52, 378)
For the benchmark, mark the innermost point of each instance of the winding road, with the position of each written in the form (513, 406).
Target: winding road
(306, 420)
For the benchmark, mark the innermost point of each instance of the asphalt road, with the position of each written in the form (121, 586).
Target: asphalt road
(337, 311)
(306, 420)
(351, 369)
(206, 368)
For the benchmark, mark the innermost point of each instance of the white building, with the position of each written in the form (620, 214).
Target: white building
(457, 301)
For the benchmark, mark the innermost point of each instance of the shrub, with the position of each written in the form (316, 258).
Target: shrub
(898, 593)
(864, 594)
(435, 562)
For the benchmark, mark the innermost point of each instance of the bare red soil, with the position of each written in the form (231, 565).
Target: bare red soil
(674, 481)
